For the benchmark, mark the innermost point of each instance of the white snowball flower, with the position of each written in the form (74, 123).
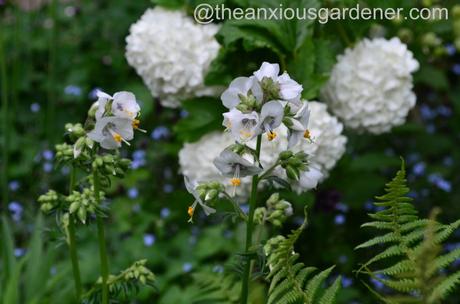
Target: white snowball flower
(172, 54)
(370, 87)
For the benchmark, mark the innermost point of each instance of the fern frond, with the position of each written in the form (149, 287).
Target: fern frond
(292, 282)
(217, 288)
(411, 261)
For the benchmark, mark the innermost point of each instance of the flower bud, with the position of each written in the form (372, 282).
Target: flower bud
(286, 155)
(292, 173)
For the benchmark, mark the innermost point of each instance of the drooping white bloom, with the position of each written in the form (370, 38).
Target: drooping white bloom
(196, 160)
(123, 105)
(370, 88)
(241, 88)
(298, 123)
(271, 117)
(231, 164)
(172, 54)
(243, 126)
(325, 146)
(111, 131)
(309, 179)
(191, 188)
(288, 88)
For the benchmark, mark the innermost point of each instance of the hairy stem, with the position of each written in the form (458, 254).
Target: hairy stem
(73, 244)
(249, 228)
(102, 246)
(5, 128)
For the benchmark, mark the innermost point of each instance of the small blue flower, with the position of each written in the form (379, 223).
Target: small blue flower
(19, 252)
(133, 193)
(187, 267)
(14, 185)
(139, 155)
(16, 211)
(456, 69)
(48, 154)
(346, 282)
(339, 219)
(427, 113)
(419, 169)
(160, 132)
(47, 167)
(35, 107)
(168, 188)
(165, 212)
(342, 207)
(444, 111)
(149, 239)
(451, 49)
(183, 114)
(72, 90)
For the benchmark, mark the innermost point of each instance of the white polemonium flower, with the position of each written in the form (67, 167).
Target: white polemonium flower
(111, 131)
(124, 105)
(271, 116)
(298, 124)
(196, 161)
(235, 166)
(191, 188)
(309, 179)
(243, 126)
(286, 87)
(370, 88)
(242, 89)
(172, 54)
(325, 146)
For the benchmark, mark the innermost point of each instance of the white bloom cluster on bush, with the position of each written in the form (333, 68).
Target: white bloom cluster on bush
(370, 88)
(172, 54)
(196, 159)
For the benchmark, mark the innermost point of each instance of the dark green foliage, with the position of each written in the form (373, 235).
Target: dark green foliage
(292, 282)
(410, 260)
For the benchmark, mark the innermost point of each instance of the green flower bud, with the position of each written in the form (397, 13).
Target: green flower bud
(259, 215)
(286, 155)
(292, 173)
(211, 194)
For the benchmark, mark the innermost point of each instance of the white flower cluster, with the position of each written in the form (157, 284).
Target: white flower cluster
(116, 119)
(370, 88)
(327, 147)
(172, 54)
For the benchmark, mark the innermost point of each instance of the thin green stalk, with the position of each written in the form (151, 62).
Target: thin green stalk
(102, 246)
(51, 103)
(5, 126)
(249, 228)
(73, 244)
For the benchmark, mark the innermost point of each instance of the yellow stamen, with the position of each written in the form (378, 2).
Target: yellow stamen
(235, 182)
(246, 134)
(117, 137)
(307, 134)
(136, 123)
(271, 135)
(190, 211)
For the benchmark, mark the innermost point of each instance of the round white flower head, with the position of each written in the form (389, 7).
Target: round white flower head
(172, 54)
(370, 88)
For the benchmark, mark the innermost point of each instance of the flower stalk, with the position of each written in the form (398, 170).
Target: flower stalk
(5, 127)
(250, 227)
(73, 244)
(101, 238)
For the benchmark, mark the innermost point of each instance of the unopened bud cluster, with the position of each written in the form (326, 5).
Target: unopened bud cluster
(83, 203)
(49, 201)
(294, 164)
(276, 211)
(111, 164)
(209, 191)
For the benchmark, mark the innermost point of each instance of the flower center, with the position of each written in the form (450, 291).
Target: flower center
(271, 135)
(136, 123)
(190, 211)
(117, 137)
(307, 134)
(235, 182)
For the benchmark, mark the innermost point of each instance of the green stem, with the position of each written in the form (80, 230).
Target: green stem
(5, 127)
(101, 237)
(249, 228)
(73, 244)
(51, 104)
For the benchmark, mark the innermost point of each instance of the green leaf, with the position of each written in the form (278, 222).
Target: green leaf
(204, 115)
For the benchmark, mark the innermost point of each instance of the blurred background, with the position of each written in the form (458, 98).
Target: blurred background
(57, 54)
